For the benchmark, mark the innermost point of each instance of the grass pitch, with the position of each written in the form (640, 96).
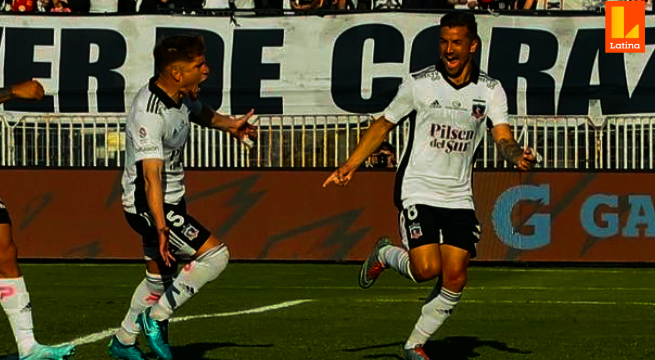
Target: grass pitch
(505, 313)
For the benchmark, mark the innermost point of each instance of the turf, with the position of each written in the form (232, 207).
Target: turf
(506, 313)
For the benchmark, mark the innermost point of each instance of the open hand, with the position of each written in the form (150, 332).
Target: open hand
(243, 128)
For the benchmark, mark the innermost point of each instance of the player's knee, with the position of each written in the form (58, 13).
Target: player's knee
(214, 261)
(455, 280)
(425, 272)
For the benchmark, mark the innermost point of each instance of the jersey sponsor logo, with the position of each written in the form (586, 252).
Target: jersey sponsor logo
(478, 110)
(415, 231)
(450, 138)
(190, 232)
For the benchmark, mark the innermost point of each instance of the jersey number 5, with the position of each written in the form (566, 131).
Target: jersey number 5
(176, 220)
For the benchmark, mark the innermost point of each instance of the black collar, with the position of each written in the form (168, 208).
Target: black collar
(475, 75)
(162, 95)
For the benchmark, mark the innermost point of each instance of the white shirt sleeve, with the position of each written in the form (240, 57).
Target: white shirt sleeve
(498, 105)
(147, 133)
(403, 103)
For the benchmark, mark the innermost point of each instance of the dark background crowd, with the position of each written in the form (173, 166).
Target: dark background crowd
(168, 6)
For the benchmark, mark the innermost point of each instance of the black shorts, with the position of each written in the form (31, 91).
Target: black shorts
(4, 214)
(423, 224)
(187, 235)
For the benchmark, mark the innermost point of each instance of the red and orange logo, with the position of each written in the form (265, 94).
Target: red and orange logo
(625, 23)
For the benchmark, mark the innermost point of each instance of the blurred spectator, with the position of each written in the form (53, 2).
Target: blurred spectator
(384, 157)
(60, 6)
(24, 6)
(427, 4)
(157, 6)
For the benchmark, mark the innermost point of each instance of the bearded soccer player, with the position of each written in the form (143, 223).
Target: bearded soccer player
(448, 106)
(14, 297)
(156, 132)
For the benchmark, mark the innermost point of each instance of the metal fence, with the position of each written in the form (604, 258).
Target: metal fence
(315, 141)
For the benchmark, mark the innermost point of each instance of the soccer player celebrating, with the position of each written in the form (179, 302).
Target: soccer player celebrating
(14, 297)
(449, 105)
(156, 131)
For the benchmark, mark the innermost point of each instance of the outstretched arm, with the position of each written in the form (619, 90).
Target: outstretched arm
(237, 127)
(30, 90)
(376, 133)
(510, 150)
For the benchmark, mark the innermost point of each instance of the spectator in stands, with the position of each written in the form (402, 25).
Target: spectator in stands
(60, 6)
(24, 6)
(383, 157)
(157, 6)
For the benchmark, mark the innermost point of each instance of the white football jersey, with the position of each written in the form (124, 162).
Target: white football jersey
(447, 123)
(156, 128)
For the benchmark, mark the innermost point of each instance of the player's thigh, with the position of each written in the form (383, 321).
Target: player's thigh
(143, 224)
(454, 267)
(420, 233)
(8, 252)
(461, 229)
(461, 234)
(188, 237)
(8, 249)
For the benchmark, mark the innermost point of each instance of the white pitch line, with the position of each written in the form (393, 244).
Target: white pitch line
(109, 332)
(518, 302)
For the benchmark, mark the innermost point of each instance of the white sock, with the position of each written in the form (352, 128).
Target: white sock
(190, 280)
(16, 303)
(146, 294)
(434, 314)
(396, 258)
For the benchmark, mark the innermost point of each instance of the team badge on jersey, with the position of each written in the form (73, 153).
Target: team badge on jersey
(415, 231)
(479, 108)
(190, 232)
(143, 132)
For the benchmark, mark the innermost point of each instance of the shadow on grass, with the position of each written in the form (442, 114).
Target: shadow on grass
(450, 348)
(197, 351)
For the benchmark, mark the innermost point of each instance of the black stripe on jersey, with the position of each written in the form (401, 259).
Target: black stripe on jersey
(489, 123)
(157, 107)
(400, 174)
(140, 199)
(150, 100)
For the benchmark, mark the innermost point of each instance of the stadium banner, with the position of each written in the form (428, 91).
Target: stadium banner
(350, 63)
(287, 215)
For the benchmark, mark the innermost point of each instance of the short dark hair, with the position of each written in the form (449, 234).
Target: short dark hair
(461, 18)
(385, 145)
(177, 48)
